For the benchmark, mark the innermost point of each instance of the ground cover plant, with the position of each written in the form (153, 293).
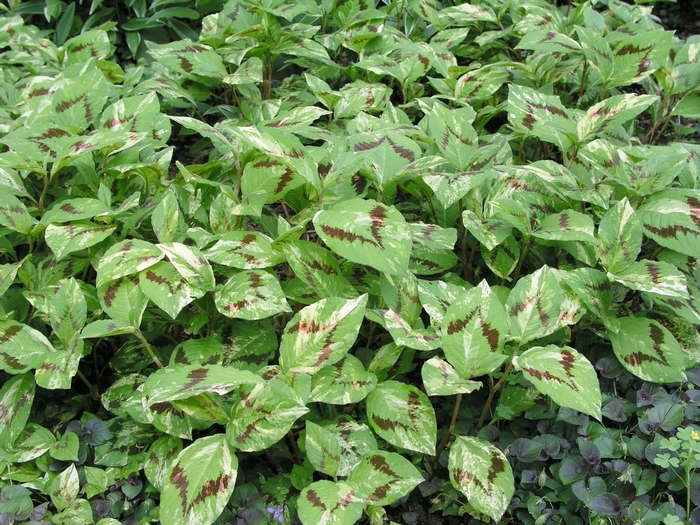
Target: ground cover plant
(343, 261)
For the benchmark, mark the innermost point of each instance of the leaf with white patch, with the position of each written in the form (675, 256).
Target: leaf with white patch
(385, 153)
(383, 477)
(321, 334)
(503, 259)
(16, 398)
(251, 294)
(473, 332)
(189, 59)
(263, 414)
(160, 459)
(167, 288)
(568, 225)
(657, 277)
(534, 306)
(453, 134)
(59, 368)
(269, 174)
(64, 488)
(181, 382)
(126, 258)
(490, 232)
(68, 238)
(440, 379)
(323, 448)
(342, 383)
(367, 232)
(68, 311)
(123, 300)
(22, 347)
(14, 215)
(638, 56)
(482, 473)
(593, 287)
(436, 297)
(198, 487)
(612, 112)
(166, 218)
(316, 267)
(672, 219)
(619, 237)
(191, 264)
(246, 250)
(547, 41)
(402, 415)
(328, 503)
(648, 350)
(480, 84)
(403, 333)
(564, 375)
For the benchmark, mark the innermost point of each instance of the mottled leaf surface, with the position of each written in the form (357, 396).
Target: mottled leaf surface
(384, 477)
(343, 382)
(441, 379)
(534, 306)
(251, 294)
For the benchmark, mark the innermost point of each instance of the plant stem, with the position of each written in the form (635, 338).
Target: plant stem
(583, 80)
(295, 449)
(148, 348)
(273, 462)
(523, 254)
(495, 388)
(93, 391)
(450, 431)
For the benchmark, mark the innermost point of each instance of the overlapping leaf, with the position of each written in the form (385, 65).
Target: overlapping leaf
(440, 379)
(620, 237)
(342, 383)
(329, 503)
(126, 258)
(167, 288)
(16, 398)
(251, 294)
(672, 219)
(383, 477)
(22, 347)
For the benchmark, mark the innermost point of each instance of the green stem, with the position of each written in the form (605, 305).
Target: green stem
(93, 391)
(583, 80)
(450, 431)
(148, 348)
(523, 254)
(495, 388)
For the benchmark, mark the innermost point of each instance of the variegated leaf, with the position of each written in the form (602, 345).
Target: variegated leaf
(473, 332)
(436, 297)
(167, 288)
(503, 259)
(648, 350)
(22, 347)
(181, 382)
(672, 219)
(453, 134)
(402, 415)
(638, 56)
(189, 59)
(14, 215)
(534, 306)
(263, 414)
(593, 287)
(58, 368)
(449, 188)
(77, 209)
(323, 448)
(342, 383)
(619, 237)
(160, 459)
(245, 250)
(126, 258)
(198, 487)
(16, 398)
(383, 477)
(564, 375)
(482, 473)
(490, 233)
(612, 112)
(64, 488)
(166, 218)
(68, 238)
(367, 232)
(191, 264)
(440, 379)
(123, 300)
(68, 311)
(548, 41)
(480, 84)
(657, 277)
(316, 267)
(403, 333)
(321, 334)
(328, 503)
(568, 225)
(271, 175)
(251, 294)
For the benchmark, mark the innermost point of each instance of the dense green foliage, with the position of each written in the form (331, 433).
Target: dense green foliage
(319, 261)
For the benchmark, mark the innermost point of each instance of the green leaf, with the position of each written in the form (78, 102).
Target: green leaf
(66, 449)
(593, 287)
(480, 84)
(658, 277)
(316, 267)
(329, 503)
(402, 333)
(383, 477)
(449, 188)
(321, 334)
(170, 384)
(71, 210)
(490, 233)
(547, 41)
(68, 311)
(402, 415)
(160, 459)
(482, 473)
(564, 375)
(367, 232)
(473, 332)
(271, 175)
(251, 294)
(87, 45)
(342, 383)
(263, 415)
(246, 250)
(58, 369)
(78, 101)
(568, 225)
(323, 448)
(166, 218)
(22, 347)
(440, 379)
(69, 238)
(503, 259)
(14, 215)
(123, 300)
(672, 219)
(648, 350)
(534, 306)
(638, 56)
(167, 288)
(16, 398)
(620, 237)
(33, 442)
(200, 483)
(126, 258)
(453, 134)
